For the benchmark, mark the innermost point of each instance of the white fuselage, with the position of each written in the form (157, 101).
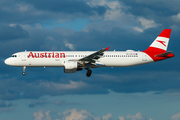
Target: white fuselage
(58, 58)
(73, 61)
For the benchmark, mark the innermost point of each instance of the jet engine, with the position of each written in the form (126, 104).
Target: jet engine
(71, 67)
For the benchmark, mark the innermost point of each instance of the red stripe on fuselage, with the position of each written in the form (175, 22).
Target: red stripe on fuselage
(152, 52)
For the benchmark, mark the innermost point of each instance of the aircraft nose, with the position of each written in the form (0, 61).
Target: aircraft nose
(7, 61)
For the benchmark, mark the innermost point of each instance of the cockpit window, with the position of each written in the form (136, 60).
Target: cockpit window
(14, 55)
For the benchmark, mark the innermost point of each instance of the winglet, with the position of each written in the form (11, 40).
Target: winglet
(107, 48)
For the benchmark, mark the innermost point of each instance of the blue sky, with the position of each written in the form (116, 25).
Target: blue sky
(147, 92)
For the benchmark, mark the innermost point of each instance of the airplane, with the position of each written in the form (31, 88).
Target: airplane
(74, 61)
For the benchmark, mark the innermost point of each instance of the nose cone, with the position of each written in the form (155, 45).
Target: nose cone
(7, 61)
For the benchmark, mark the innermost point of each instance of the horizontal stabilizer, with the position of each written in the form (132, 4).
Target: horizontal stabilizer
(164, 54)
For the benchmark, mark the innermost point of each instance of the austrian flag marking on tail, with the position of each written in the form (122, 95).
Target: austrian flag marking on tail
(157, 50)
(161, 42)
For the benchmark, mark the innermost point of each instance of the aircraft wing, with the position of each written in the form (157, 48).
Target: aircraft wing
(95, 56)
(92, 59)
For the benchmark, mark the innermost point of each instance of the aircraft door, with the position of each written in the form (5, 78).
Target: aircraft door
(144, 57)
(23, 56)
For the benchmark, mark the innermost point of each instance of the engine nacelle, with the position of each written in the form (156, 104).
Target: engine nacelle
(70, 66)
